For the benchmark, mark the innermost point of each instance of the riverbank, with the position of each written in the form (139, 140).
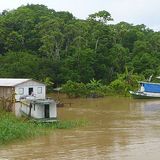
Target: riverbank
(13, 128)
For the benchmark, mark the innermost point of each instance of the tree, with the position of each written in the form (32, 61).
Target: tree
(23, 65)
(101, 16)
(39, 42)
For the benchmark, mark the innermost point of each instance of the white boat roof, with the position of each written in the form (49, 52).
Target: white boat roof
(10, 82)
(148, 82)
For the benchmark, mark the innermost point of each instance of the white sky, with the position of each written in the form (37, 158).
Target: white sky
(132, 11)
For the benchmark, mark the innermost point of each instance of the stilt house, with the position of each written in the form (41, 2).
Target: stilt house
(28, 95)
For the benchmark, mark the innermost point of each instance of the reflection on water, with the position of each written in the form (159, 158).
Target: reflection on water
(119, 128)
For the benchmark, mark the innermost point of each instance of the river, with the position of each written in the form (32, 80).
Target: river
(118, 129)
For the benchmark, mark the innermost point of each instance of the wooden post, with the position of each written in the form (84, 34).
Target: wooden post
(30, 107)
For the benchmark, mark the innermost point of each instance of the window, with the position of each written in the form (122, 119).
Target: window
(39, 90)
(21, 91)
(30, 91)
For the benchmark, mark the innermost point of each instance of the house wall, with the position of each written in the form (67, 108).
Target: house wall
(53, 110)
(37, 111)
(23, 90)
(7, 98)
(23, 107)
(6, 92)
(17, 109)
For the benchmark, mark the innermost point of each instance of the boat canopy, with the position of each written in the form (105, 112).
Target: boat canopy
(151, 87)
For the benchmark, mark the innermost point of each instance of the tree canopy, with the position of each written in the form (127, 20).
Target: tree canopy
(38, 42)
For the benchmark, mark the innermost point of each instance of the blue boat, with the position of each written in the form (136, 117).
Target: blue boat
(147, 90)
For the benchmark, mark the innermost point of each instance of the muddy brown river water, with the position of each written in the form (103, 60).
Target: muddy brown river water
(118, 129)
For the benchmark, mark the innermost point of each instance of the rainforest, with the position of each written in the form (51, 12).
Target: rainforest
(57, 48)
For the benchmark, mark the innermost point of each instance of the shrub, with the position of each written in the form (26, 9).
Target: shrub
(74, 89)
(124, 83)
(92, 89)
(12, 128)
(96, 89)
(118, 86)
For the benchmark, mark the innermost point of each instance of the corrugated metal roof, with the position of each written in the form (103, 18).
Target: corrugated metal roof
(9, 82)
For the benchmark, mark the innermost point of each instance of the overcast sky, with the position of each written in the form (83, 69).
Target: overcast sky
(132, 11)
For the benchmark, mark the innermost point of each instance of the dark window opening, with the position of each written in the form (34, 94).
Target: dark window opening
(46, 111)
(30, 91)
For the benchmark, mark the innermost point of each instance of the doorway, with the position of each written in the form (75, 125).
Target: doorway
(46, 111)
(30, 91)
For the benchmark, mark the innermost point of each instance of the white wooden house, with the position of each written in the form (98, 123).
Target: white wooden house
(29, 96)
(21, 88)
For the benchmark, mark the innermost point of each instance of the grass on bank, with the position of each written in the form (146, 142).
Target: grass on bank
(12, 128)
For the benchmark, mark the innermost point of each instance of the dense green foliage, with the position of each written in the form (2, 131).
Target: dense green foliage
(124, 83)
(12, 128)
(92, 89)
(121, 86)
(43, 44)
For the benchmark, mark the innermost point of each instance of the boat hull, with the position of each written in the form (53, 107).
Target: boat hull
(144, 95)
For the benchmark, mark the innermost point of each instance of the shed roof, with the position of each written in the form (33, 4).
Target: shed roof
(10, 82)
